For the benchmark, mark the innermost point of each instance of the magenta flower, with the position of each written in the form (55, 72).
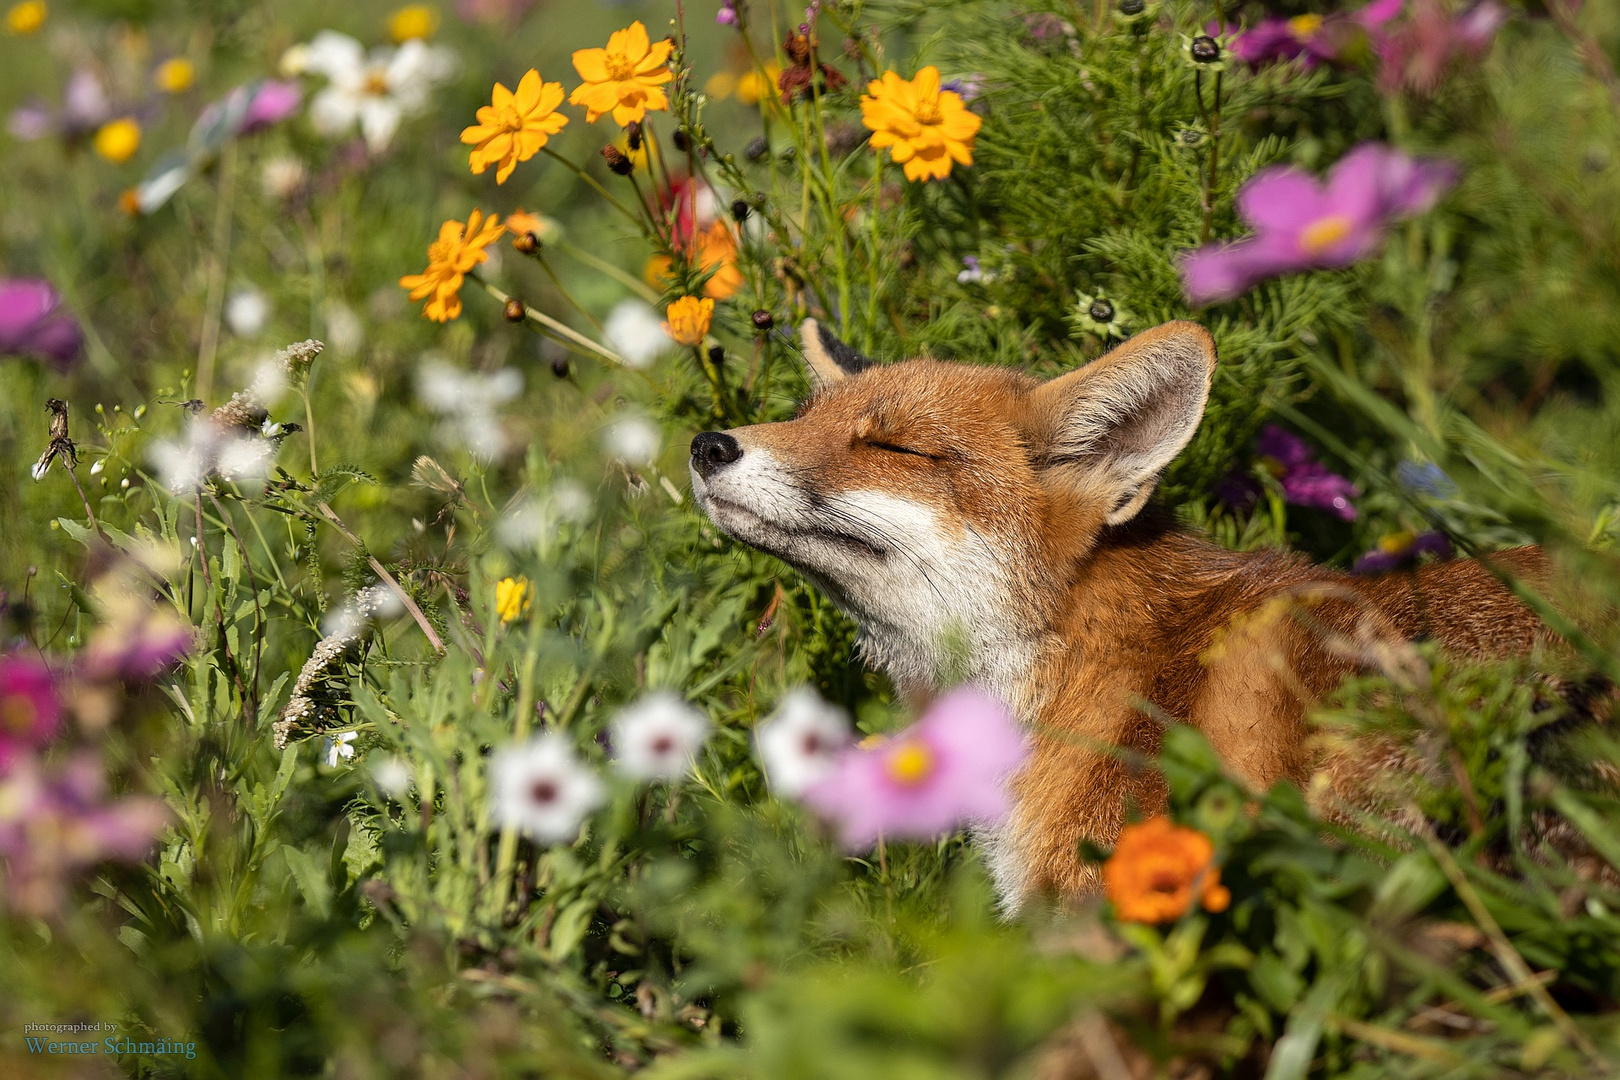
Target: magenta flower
(1303, 224)
(1304, 480)
(1416, 53)
(727, 15)
(274, 101)
(85, 107)
(1402, 549)
(31, 325)
(948, 769)
(54, 824)
(1312, 39)
(30, 708)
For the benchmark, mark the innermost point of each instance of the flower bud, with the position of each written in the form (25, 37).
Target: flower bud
(739, 210)
(616, 161)
(1102, 310)
(763, 320)
(559, 367)
(756, 148)
(680, 139)
(514, 310)
(526, 243)
(1205, 49)
(632, 135)
(717, 355)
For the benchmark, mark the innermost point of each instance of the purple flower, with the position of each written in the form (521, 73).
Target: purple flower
(947, 769)
(30, 708)
(85, 107)
(1304, 480)
(1425, 478)
(969, 87)
(1311, 39)
(30, 324)
(53, 824)
(1415, 54)
(727, 15)
(274, 101)
(1402, 549)
(1303, 224)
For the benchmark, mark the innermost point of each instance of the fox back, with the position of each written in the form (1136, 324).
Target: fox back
(978, 523)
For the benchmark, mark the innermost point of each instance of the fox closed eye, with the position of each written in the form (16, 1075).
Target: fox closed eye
(896, 449)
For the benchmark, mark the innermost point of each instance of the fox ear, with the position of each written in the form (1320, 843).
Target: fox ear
(828, 358)
(1121, 419)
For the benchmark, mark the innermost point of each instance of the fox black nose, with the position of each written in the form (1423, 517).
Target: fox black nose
(713, 449)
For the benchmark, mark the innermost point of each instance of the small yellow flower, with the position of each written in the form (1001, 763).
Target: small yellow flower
(512, 596)
(413, 21)
(117, 140)
(514, 126)
(720, 85)
(458, 249)
(175, 75)
(689, 319)
(926, 128)
(624, 78)
(753, 86)
(26, 18)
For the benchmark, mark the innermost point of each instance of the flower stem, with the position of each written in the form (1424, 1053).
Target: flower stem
(600, 190)
(208, 347)
(387, 578)
(555, 327)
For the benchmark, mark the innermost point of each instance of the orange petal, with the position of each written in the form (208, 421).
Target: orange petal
(528, 92)
(591, 65)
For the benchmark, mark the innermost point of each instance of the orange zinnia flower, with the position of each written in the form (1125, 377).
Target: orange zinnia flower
(926, 128)
(689, 320)
(1158, 869)
(623, 78)
(458, 249)
(515, 126)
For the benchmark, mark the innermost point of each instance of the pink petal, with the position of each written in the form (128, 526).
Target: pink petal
(1282, 199)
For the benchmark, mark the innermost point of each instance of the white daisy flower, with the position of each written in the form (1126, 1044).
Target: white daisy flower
(246, 312)
(800, 742)
(245, 457)
(376, 91)
(184, 463)
(633, 440)
(543, 789)
(657, 737)
(636, 333)
(393, 776)
(341, 746)
(468, 402)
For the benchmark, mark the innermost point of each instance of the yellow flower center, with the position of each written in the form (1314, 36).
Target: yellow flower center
(1321, 235)
(1396, 542)
(415, 21)
(509, 118)
(441, 251)
(620, 67)
(928, 111)
(376, 83)
(1303, 26)
(911, 763)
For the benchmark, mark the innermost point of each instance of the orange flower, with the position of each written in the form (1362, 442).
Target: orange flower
(715, 249)
(514, 126)
(458, 249)
(689, 320)
(926, 128)
(623, 78)
(1158, 869)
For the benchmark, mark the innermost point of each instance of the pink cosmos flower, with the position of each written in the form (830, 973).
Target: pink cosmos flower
(31, 325)
(1312, 39)
(1303, 224)
(1415, 54)
(948, 769)
(30, 708)
(54, 824)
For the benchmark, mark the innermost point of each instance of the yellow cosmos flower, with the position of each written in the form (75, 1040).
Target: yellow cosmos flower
(689, 319)
(715, 249)
(512, 596)
(27, 18)
(514, 126)
(624, 78)
(925, 128)
(117, 140)
(413, 21)
(458, 249)
(175, 76)
(753, 86)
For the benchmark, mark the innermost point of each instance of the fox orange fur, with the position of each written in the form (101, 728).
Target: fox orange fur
(978, 522)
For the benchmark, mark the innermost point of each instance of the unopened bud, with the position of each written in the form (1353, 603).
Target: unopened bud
(680, 139)
(616, 161)
(763, 320)
(756, 148)
(632, 135)
(527, 243)
(739, 209)
(514, 310)
(559, 367)
(717, 355)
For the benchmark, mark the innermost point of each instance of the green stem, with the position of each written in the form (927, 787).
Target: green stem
(600, 190)
(560, 329)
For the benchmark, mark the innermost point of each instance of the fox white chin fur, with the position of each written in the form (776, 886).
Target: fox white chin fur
(982, 525)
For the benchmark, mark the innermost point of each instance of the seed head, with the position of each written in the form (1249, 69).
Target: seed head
(740, 210)
(1205, 49)
(617, 163)
(632, 135)
(763, 320)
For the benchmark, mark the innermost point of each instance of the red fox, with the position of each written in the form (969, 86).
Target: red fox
(979, 523)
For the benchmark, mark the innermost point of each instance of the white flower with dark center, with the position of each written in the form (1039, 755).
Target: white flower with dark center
(658, 737)
(340, 746)
(636, 333)
(543, 789)
(634, 440)
(376, 91)
(801, 741)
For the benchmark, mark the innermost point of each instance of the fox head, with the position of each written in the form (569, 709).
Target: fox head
(945, 506)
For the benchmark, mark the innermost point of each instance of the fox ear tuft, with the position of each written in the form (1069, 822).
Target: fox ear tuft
(828, 358)
(1121, 419)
